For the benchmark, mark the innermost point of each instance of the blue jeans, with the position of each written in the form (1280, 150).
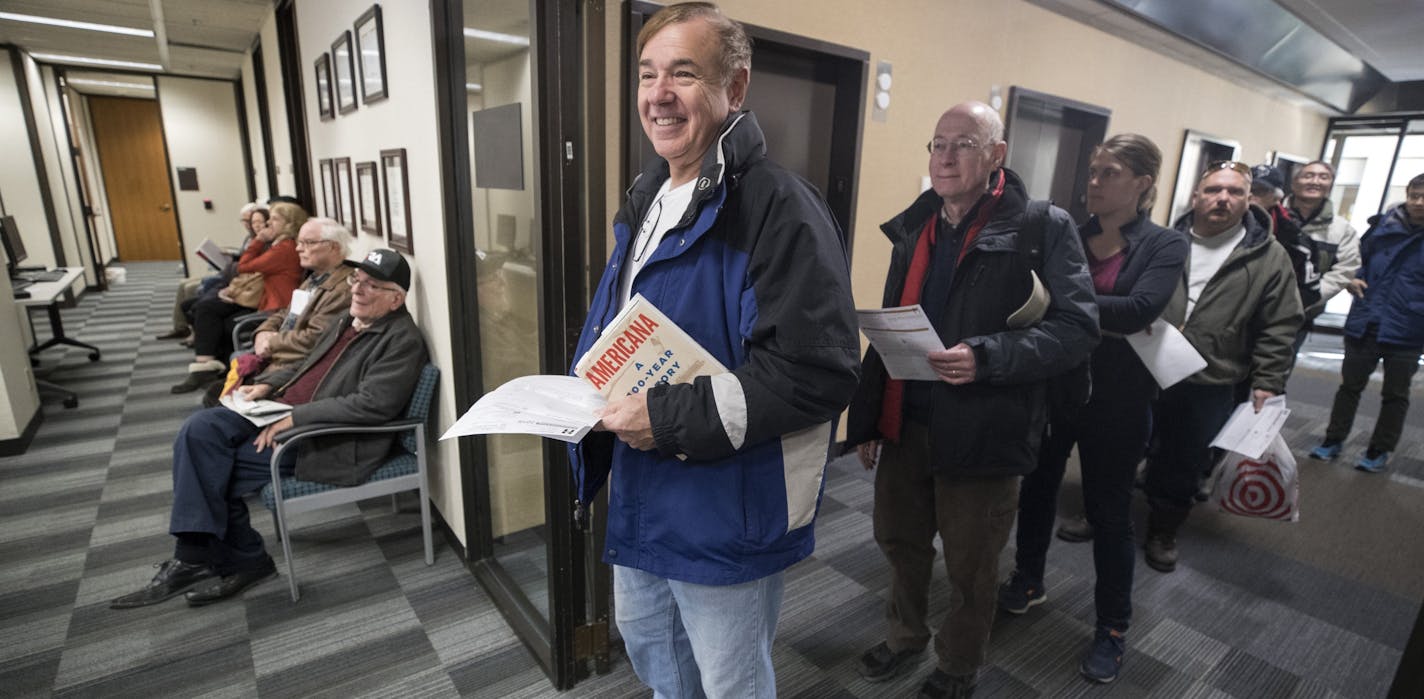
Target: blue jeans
(688, 640)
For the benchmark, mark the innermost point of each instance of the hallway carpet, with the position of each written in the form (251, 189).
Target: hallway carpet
(1321, 608)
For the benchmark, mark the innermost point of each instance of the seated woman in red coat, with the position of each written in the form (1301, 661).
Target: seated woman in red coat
(271, 254)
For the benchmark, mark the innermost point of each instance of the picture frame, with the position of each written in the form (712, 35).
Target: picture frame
(324, 104)
(371, 55)
(396, 179)
(368, 193)
(1198, 150)
(344, 73)
(345, 193)
(329, 207)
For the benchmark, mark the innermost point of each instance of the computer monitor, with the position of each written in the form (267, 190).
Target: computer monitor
(14, 244)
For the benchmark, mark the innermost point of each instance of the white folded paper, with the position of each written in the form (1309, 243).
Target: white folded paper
(903, 336)
(1166, 353)
(257, 412)
(558, 407)
(1248, 432)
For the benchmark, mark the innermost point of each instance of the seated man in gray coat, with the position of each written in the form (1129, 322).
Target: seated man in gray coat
(362, 370)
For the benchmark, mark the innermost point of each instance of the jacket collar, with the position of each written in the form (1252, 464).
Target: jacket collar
(1259, 226)
(1132, 231)
(738, 146)
(1325, 214)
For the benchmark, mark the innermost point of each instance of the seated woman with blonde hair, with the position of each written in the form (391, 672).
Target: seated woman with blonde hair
(267, 272)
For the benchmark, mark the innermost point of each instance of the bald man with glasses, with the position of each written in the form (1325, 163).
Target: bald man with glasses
(1237, 304)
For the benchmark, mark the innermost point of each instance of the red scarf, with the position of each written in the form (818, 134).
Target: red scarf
(892, 405)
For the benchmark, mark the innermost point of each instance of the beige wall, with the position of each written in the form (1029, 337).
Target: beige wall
(947, 51)
(406, 120)
(201, 130)
(255, 146)
(19, 181)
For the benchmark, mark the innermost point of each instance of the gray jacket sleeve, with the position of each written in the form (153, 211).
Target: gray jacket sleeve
(1068, 331)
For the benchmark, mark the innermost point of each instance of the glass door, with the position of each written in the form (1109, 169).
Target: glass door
(509, 90)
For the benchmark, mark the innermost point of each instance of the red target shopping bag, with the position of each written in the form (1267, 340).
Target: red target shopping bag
(1268, 487)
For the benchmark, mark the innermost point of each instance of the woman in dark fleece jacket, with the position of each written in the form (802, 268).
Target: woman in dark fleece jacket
(1135, 266)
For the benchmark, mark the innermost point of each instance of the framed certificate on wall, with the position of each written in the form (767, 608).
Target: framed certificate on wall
(368, 193)
(397, 191)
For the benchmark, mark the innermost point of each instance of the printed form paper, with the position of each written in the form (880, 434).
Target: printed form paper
(1167, 354)
(557, 407)
(1250, 433)
(903, 336)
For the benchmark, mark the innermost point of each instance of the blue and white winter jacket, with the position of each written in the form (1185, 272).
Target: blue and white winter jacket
(756, 272)
(1392, 253)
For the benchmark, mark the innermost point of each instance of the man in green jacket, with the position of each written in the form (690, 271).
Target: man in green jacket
(1237, 304)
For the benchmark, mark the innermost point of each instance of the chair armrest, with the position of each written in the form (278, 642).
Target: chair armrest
(246, 323)
(290, 437)
(323, 428)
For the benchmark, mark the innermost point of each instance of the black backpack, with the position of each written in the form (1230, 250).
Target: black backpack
(1069, 391)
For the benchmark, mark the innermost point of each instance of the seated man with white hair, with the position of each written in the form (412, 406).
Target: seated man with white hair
(289, 333)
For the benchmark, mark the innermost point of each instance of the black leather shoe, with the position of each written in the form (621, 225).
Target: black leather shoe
(198, 379)
(231, 585)
(880, 663)
(942, 685)
(174, 578)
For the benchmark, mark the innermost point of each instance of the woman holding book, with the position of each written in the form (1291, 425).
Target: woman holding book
(267, 272)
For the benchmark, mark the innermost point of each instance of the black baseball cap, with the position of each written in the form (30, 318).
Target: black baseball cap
(1264, 175)
(385, 265)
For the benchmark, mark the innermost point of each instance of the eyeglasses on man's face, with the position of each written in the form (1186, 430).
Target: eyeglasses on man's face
(961, 147)
(366, 283)
(301, 243)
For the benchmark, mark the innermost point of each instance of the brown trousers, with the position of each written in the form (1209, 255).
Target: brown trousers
(973, 518)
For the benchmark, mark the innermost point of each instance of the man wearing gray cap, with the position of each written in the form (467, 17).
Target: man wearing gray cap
(361, 371)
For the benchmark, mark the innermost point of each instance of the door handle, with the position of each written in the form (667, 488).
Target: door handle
(164, 207)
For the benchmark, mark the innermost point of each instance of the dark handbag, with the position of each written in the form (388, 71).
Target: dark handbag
(246, 289)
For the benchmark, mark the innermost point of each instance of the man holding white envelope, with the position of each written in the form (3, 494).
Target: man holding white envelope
(1237, 304)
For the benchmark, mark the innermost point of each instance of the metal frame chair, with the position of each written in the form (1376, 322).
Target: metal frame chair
(243, 328)
(406, 470)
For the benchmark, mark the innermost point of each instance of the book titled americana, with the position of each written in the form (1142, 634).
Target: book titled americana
(642, 348)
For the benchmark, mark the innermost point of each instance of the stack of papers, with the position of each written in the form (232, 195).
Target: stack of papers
(558, 407)
(904, 338)
(640, 348)
(258, 412)
(1250, 433)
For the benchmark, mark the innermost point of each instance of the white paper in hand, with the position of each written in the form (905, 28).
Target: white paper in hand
(903, 336)
(1167, 354)
(1248, 432)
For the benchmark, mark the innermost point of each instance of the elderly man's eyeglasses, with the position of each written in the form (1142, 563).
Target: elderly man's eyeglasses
(367, 284)
(1240, 167)
(962, 147)
(311, 243)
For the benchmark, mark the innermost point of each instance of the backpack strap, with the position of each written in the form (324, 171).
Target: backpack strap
(1032, 225)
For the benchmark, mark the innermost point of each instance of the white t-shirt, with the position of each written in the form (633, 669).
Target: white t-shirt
(1208, 254)
(668, 207)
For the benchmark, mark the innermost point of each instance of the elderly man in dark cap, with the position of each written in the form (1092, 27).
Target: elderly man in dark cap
(362, 370)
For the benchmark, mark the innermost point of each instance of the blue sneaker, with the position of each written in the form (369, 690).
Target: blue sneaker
(1019, 593)
(1326, 451)
(1104, 657)
(1373, 464)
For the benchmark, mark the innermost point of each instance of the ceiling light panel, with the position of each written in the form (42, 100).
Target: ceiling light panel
(71, 24)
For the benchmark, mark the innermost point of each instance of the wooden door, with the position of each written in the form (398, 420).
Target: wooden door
(129, 138)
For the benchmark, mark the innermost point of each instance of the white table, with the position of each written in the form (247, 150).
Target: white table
(49, 294)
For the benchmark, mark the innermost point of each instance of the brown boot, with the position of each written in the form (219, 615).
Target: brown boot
(1161, 545)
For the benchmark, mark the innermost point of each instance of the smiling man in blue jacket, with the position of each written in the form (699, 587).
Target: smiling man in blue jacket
(746, 258)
